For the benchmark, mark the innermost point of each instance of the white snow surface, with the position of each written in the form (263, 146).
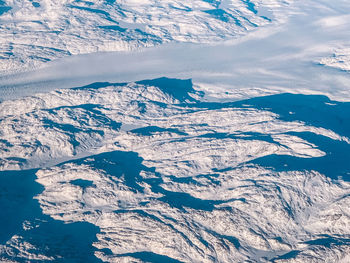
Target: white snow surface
(283, 56)
(339, 60)
(32, 33)
(178, 172)
(164, 181)
(64, 123)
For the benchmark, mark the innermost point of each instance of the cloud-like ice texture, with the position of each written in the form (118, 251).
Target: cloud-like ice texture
(339, 60)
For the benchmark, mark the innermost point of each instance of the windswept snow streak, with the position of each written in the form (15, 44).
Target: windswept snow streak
(167, 176)
(35, 32)
(339, 60)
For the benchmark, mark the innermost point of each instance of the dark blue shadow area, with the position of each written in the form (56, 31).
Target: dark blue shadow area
(313, 110)
(36, 4)
(113, 28)
(222, 15)
(329, 241)
(150, 257)
(73, 242)
(317, 111)
(150, 130)
(334, 164)
(98, 85)
(250, 6)
(52, 238)
(118, 164)
(82, 183)
(181, 200)
(177, 88)
(16, 201)
(289, 255)
(4, 8)
(88, 3)
(183, 8)
(129, 165)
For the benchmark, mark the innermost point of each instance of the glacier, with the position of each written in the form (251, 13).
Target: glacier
(293, 56)
(173, 131)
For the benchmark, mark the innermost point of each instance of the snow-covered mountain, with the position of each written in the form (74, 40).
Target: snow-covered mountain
(219, 131)
(161, 172)
(35, 32)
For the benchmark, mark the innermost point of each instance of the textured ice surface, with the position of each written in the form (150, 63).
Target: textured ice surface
(32, 33)
(166, 176)
(220, 163)
(278, 57)
(339, 60)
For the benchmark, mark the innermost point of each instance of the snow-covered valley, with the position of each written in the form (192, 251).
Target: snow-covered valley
(305, 54)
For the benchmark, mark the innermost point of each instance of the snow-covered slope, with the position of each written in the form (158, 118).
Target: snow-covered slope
(35, 32)
(229, 158)
(163, 173)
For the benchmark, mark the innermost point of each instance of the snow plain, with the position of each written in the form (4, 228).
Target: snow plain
(215, 163)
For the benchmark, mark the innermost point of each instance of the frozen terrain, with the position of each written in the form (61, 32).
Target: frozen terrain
(35, 32)
(239, 154)
(304, 53)
(165, 175)
(340, 59)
